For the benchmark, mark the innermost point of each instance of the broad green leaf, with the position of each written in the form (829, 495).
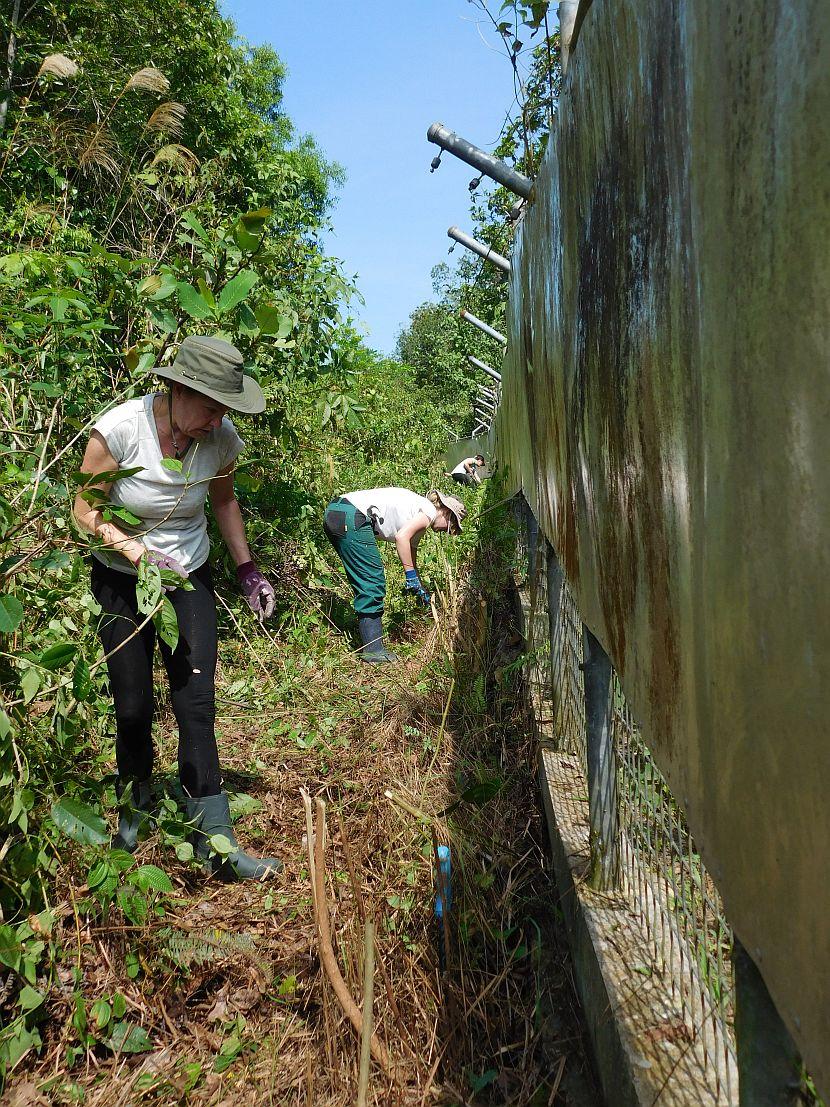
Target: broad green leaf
(148, 586)
(273, 321)
(122, 513)
(236, 290)
(101, 1013)
(10, 947)
(242, 804)
(30, 684)
(29, 998)
(167, 624)
(191, 221)
(108, 477)
(184, 851)
(129, 1038)
(150, 878)
(205, 292)
(81, 680)
(221, 844)
(254, 221)
(163, 319)
(11, 613)
(79, 821)
(247, 321)
(483, 790)
(192, 302)
(55, 657)
(171, 463)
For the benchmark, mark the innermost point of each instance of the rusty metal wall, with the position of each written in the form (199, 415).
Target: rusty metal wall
(666, 410)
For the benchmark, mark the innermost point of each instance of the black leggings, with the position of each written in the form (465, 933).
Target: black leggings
(191, 669)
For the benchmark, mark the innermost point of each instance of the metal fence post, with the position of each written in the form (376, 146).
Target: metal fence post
(769, 1066)
(555, 579)
(602, 766)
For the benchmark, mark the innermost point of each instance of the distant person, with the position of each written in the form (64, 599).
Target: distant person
(352, 523)
(466, 471)
(179, 447)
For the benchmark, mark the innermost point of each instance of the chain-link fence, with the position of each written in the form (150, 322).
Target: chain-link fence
(640, 847)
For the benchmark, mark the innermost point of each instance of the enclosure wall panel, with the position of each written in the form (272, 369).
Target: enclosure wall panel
(666, 410)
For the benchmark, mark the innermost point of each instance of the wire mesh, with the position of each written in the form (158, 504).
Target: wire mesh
(662, 875)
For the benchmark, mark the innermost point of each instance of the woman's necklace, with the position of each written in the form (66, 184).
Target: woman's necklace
(177, 449)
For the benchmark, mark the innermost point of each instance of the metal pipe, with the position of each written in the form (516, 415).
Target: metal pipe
(482, 326)
(484, 367)
(603, 804)
(484, 418)
(485, 163)
(485, 403)
(555, 580)
(479, 248)
(567, 18)
(477, 431)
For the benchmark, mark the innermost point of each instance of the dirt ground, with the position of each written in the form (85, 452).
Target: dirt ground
(229, 983)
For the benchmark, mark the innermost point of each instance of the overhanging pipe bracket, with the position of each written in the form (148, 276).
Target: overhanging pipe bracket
(488, 369)
(480, 248)
(478, 159)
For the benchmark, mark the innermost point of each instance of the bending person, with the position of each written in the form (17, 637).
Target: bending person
(394, 515)
(466, 471)
(188, 426)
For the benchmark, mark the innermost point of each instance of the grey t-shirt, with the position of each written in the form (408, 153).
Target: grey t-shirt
(393, 508)
(170, 504)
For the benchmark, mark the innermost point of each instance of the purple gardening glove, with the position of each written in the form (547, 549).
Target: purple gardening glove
(256, 589)
(166, 564)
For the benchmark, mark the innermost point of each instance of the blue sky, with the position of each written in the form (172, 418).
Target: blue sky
(366, 80)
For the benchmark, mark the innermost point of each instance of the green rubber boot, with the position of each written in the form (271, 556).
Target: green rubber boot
(135, 799)
(211, 816)
(371, 635)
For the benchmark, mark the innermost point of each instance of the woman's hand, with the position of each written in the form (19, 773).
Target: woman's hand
(415, 588)
(165, 563)
(259, 594)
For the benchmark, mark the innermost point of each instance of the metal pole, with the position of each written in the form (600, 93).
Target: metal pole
(485, 391)
(485, 163)
(485, 418)
(567, 18)
(485, 403)
(481, 427)
(486, 368)
(603, 813)
(480, 248)
(556, 578)
(769, 1067)
(468, 317)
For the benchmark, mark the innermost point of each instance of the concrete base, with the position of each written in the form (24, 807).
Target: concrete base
(646, 1051)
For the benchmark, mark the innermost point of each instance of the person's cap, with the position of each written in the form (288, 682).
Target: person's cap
(455, 507)
(214, 368)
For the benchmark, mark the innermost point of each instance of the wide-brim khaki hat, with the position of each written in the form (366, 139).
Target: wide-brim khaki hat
(455, 507)
(214, 368)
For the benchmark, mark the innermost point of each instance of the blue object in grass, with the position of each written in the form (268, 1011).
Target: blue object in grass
(412, 580)
(443, 899)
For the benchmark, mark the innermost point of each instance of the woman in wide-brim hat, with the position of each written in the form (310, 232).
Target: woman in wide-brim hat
(182, 448)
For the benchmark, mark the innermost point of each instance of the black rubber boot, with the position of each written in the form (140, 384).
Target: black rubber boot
(136, 800)
(371, 635)
(212, 815)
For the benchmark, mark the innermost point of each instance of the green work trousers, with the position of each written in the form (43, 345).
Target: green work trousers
(351, 534)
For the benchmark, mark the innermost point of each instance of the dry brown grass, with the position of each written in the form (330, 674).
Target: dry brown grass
(350, 734)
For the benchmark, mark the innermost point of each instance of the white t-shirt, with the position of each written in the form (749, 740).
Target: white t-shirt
(170, 504)
(393, 508)
(460, 466)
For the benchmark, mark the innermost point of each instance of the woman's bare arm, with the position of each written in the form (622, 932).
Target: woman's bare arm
(89, 517)
(228, 515)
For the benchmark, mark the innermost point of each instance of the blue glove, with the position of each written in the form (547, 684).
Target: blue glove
(415, 588)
